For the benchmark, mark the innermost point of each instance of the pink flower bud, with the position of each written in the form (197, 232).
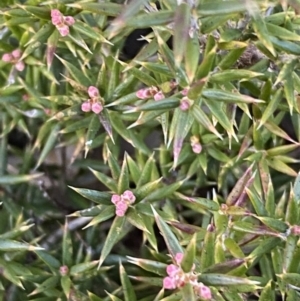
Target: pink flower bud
(86, 107)
(97, 107)
(211, 227)
(20, 66)
(121, 206)
(178, 258)
(69, 20)
(57, 17)
(7, 57)
(17, 53)
(55, 12)
(203, 291)
(184, 104)
(185, 91)
(63, 270)
(142, 94)
(120, 212)
(57, 20)
(115, 198)
(159, 95)
(93, 92)
(197, 148)
(172, 270)
(128, 196)
(63, 30)
(169, 283)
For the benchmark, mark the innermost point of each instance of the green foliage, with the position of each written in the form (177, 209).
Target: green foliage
(116, 168)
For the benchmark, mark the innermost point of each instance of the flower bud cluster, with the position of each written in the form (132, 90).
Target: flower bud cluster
(149, 93)
(154, 92)
(92, 104)
(61, 22)
(177, 278)
(14, 58)
(122, 202)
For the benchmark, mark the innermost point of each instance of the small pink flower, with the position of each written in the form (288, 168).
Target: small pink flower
(172, 270)
(7, 57)
(179, 257)
(184, 104)
(69, 20)
(86, 107)
(115, 198)
(203, 291)
(97, 107)
(169, 283)
(159, 95)
(63, 30)
(93, 92)
(129, 196)
(16, 53)
(20, 66)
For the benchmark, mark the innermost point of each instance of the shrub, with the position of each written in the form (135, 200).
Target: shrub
(149, 150)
